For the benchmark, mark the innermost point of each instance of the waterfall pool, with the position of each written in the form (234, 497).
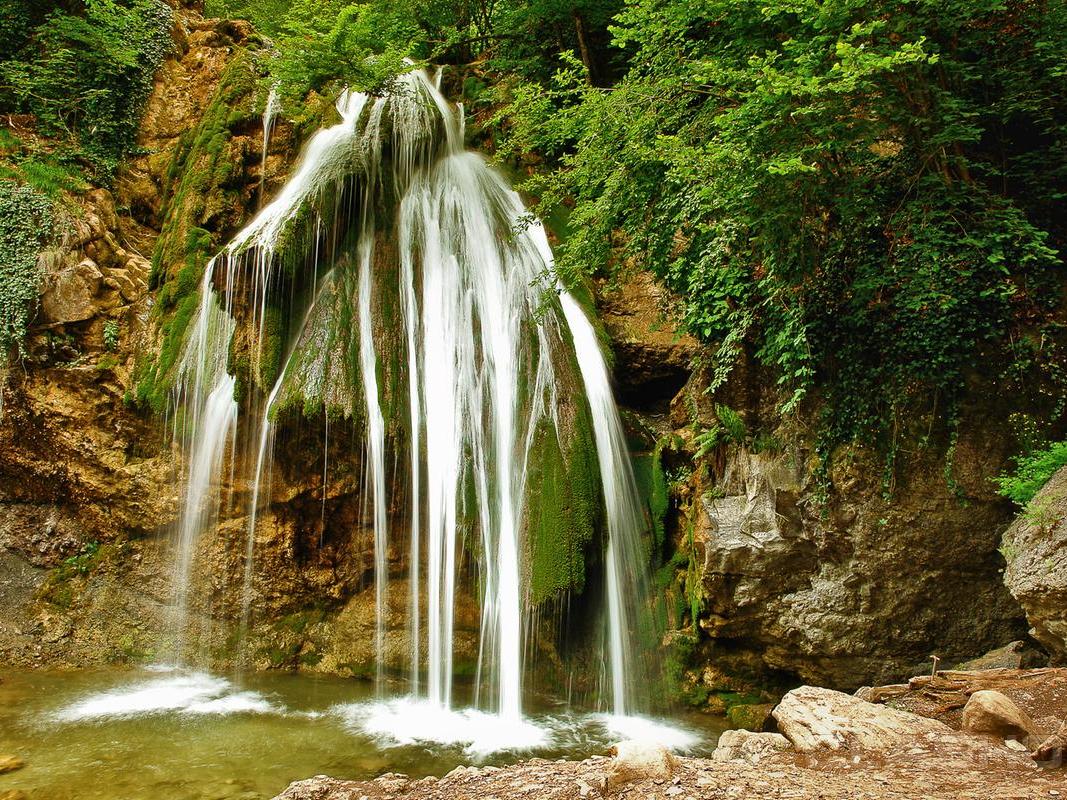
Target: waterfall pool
(161, 734)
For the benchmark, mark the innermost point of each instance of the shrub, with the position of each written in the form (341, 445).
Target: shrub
(86, 76)
(1032, 472)
(111, 335)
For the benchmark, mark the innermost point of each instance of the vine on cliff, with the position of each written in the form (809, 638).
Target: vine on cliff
(862, 196)
(26, 221)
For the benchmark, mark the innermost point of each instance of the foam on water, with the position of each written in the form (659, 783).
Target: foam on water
(407, 721)
(644, 729)
(181, 693)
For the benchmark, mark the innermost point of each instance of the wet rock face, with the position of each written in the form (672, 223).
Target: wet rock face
(652, 355)
(1035, 547)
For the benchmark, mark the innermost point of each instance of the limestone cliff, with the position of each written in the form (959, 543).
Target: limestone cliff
(838, 582)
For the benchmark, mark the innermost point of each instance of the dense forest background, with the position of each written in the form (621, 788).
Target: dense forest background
(863, 198)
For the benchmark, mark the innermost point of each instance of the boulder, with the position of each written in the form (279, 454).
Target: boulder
(750, 716)
(1015, 655)
(320, 787)
(747, 746)
(68, 294)
(991, 713)
(1035, 547)
(821, 719)
(634, 760)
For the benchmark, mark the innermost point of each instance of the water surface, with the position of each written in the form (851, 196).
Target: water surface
(154, 734)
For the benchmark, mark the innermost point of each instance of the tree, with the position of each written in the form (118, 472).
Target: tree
(861, 194)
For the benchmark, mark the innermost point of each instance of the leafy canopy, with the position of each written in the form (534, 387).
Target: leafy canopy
(863, 195)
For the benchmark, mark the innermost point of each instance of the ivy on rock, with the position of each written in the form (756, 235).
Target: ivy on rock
(26, 221)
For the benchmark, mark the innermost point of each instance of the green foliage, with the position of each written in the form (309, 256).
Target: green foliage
(862, 196)
(26, 222)
(729, 428)
(111, 335)
(1032, 472)
(86, 75)
(49, 173)
(81, 563)
(59, 588)
(325, 44)
(322, 45)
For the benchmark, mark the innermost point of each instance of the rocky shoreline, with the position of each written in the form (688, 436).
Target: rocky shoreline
(827, 745)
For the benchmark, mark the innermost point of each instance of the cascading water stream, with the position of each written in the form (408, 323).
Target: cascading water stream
(205, 390)
(625, 580)
(484, 340)
(270, 114)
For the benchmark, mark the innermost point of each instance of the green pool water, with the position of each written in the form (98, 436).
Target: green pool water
(168, 735)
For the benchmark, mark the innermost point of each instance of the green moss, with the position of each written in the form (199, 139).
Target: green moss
(61, 586)
(108, 362)
(199, 170)
(654, 489)
(677, 657)
(153, 387)
(564, 497)
(271, 347)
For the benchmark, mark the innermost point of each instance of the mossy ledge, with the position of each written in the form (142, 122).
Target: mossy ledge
(203, 201)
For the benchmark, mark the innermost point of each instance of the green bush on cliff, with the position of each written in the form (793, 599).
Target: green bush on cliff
(83, 74)
(1032, 472)
(25, 225)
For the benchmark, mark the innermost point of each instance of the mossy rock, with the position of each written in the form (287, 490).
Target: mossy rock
(196, 207)
(750, 716)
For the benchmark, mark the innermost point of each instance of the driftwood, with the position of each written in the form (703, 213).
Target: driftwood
(948, 690)
(967, 682)
(1052, 750)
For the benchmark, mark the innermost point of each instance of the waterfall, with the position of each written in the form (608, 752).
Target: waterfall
(205, 391)
(626, 582)
(492, 365)
(270, 113)
(375, 446)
